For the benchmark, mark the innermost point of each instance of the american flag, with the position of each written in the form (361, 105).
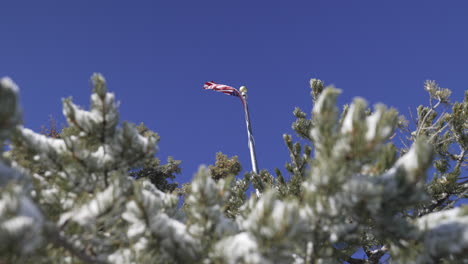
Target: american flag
(224, 89)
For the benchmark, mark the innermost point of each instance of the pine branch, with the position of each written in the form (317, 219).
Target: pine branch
(342, 256)
(460, 196)
(60, 241)
(374, 256)
(432, 109)
(438, 132)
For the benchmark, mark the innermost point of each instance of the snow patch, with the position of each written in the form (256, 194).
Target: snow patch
(9, 84)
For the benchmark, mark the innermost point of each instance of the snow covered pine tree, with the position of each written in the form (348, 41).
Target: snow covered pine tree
(20, 220)
(351, 191)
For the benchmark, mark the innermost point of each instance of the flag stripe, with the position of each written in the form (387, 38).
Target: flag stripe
(224, 89)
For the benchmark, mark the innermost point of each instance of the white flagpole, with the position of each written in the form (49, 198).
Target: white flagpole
(253, 157)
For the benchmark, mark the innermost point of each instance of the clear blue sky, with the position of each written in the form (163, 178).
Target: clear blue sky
(156, 55)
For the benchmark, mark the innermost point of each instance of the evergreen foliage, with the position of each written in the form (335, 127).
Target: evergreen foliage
(224, 167)
(349, 188)
(161, 175)
(152, 169)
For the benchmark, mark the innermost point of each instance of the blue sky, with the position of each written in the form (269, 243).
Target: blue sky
(156, 55)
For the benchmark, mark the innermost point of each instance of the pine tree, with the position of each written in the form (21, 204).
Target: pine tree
(225, 170)
(350, 187)
(224, 167)
(152, 169)
(20, 219)
(161, 175)
(369, 155)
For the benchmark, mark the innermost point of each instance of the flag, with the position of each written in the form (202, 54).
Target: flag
(224, 89)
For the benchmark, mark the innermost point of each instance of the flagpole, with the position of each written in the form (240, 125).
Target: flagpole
(253, 157)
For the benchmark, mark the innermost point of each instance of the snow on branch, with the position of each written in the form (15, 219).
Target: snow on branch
(444, 233)
(89, 211)
(102, 119)
(10, 113)
(20, 221)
